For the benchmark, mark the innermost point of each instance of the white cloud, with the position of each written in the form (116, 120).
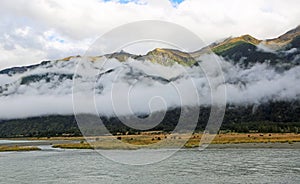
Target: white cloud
(37, 30)
(263, 48)
(139, 86)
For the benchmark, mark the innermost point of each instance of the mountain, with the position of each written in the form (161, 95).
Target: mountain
(169, 57)
(230, 43)
(244, 49)
(285, 39)
(247, 50)
(261, 77)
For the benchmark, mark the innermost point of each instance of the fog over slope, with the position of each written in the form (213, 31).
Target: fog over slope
(47, 88)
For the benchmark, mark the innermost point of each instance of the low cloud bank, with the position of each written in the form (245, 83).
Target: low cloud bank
(137, 87)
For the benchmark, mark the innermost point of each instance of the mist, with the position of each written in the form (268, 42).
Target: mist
(114, 88)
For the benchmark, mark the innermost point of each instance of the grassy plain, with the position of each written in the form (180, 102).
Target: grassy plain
(173, 141)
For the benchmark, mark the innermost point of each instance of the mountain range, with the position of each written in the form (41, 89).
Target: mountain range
(244, 49)
(261, 78)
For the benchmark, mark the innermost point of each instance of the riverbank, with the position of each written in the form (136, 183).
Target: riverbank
(157, 141)
(287, 140)
(18, 148)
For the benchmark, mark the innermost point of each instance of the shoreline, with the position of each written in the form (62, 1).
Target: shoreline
(273, 145)
(159, 141)
(14, 148)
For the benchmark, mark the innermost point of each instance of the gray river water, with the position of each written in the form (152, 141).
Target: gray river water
(186, 166)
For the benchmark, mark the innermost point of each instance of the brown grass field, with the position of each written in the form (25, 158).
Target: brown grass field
(170, 141)
(18, 148)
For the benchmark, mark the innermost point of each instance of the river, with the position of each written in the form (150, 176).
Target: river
(185, 166)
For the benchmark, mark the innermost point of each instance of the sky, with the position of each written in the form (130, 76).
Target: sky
(37, 30)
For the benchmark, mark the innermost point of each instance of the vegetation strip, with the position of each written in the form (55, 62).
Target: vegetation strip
(18, 148)
(167, 141)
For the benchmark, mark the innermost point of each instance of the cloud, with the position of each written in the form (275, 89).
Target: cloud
(31, 32)
(263, 48)
(139, 87)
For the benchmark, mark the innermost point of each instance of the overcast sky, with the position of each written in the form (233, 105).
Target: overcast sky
(35, 30)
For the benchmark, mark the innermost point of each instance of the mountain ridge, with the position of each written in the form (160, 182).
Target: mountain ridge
(167, 56)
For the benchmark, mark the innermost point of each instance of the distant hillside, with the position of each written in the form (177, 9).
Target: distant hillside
(274, 117)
